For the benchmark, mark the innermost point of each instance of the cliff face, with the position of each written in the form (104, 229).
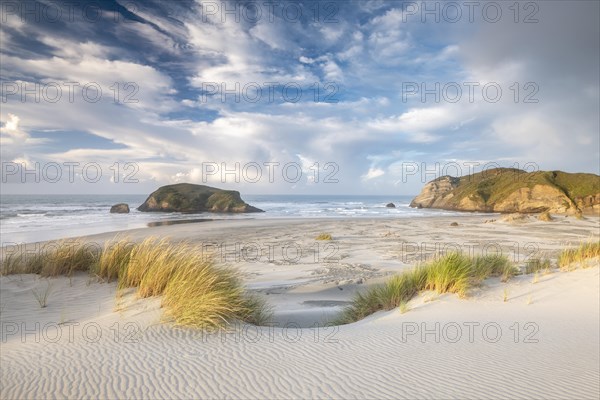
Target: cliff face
(511, 190)
(186, 197)
(436, 193)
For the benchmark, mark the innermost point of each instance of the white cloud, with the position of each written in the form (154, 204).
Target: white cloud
(371, 52)
(331, 33)
(11, 129)
(372, 174)
(306, 60)
(147, 88)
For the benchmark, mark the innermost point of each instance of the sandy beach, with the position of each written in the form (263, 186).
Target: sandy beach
(528, 338)
(300, 199)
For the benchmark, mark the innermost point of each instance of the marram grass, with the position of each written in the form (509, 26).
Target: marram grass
(580, 256)
(452, 273)
(493, 265)
(534, 265)
(396, 291)
(153, 262)
(202, 296)
(456, 273)
(198, 293)
(114, 260)
(19, 263)
(449, 274)
(69, 257)
(195, 291)
(53, 259)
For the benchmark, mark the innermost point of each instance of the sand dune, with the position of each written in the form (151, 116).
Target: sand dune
(543, 342)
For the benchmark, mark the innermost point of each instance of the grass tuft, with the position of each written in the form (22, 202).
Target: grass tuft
(201, 296)
(54, 258)
(449, 274)
(258, 311)
(455, 273)
(493, 265)
(153, 262)
(41, 295)
(113, 260)
(195, 291)
(403, 307)
(324, 236)
(535, 265)
(19, 263)
(69, 257)
(452, 273)
(569, 259)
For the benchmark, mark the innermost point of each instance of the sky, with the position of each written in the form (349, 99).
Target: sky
(293, 97)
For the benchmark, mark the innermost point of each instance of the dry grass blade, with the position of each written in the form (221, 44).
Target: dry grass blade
(452, 273)
(580, 256)
(196, 292)
(41, 295)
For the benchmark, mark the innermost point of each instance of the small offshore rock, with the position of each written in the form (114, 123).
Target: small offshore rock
(120, 208)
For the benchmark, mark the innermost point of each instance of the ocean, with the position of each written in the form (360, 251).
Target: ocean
(33, 218)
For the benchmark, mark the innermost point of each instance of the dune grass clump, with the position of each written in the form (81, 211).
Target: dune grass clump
(324, 236)
(160, 272)
(196, 292)
(42, 295)
(535, 265)
(363, 305)
(452, 273)
(455, 273)
(404, 307)
(493, 265)
(53, 259)
(69, 257)
(399, 289)
(113, 260)
(258, 311)
(153, 262)
(570, 258)
(202, 296)
(403, 287)
(21, 263)
(196, 296)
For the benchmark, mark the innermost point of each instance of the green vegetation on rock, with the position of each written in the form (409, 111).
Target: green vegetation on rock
(513, 190)
(187, 197)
